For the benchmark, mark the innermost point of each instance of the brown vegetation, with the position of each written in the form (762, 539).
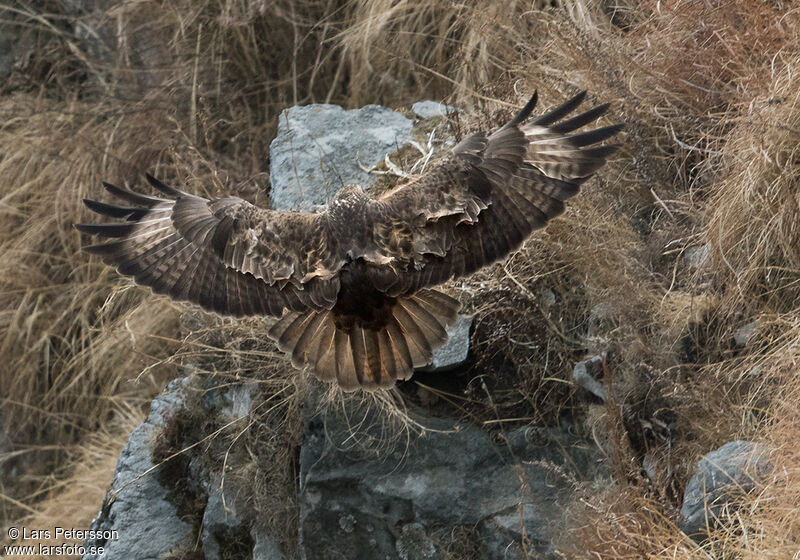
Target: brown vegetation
(709, 93)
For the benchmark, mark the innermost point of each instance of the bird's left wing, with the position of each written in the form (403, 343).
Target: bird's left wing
(225, 255)
(487, 196)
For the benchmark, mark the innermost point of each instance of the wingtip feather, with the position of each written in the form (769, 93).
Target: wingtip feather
(561, 111)
(131, 196)
(526, 110)
(161, 187)
(112, 210)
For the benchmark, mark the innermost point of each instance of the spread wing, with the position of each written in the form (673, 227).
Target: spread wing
(226, 255)
(487, 196)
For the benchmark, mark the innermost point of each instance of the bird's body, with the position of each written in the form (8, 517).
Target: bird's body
(352, 284)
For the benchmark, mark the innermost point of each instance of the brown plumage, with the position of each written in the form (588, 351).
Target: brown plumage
(351, 285)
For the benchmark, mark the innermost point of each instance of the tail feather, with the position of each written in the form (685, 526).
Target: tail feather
(359, 350)
(387, 352)
(291, 334)
(434, 329)
(415, 337)
(327, 357)
(304, 347)
(374, 371)
(404, 362)
(367, 357)
(324, 341)
(345, 372)
(437, 303)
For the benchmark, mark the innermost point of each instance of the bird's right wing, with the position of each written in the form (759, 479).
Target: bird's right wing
(225, 255)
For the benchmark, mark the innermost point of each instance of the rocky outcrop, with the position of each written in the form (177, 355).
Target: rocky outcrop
(137, 506)
(365, 490)
(360, 504)
(167, 500)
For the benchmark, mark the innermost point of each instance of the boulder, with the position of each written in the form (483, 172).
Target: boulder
(364, 504)
(586, 372)
(456, 349)
(745, 333)
(722, 475)
(697, 257)
(318, 149)
(428, 109)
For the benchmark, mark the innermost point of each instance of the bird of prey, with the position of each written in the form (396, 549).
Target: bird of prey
(352, 285)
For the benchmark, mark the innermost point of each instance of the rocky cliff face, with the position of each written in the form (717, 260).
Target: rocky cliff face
(505, 493)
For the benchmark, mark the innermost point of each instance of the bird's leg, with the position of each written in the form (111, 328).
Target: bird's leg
(426, 152)
(394, 169)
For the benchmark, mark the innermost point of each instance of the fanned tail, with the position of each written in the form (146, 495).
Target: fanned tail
(366, 357)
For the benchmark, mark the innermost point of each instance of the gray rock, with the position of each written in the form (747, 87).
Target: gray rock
(237, 401)
(318, 147)
(721, 475)
(137, 507)
(548, 297)
(453, 476)
(502, 535)
(220, 519)
(205, 516)
(744, 333)
(413, 543)
(456, 348)
(696, 257)
(585, 374)
(427, 109)
(265, 547)
(649, 466)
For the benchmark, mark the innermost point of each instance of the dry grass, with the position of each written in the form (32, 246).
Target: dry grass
(74, 500)
(709, 96)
